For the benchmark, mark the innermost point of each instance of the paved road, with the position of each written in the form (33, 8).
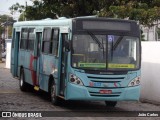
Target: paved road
(12, 99)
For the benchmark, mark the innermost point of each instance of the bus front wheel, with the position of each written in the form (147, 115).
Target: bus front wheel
(110, 103)
(22, 83)
(54, 98)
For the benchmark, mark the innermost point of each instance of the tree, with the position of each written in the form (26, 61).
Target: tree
(17, 8)
(53, 8)
(5, 21)
(146, 12)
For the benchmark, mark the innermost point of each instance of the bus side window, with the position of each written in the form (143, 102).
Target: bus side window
(24, 38)
(55, 39)
(47, 43)
(31, 38)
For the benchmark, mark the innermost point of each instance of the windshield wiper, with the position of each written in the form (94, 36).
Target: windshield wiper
(97, 41)
(115, 45)
(117, 42)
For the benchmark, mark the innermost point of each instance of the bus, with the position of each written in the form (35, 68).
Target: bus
(82, 58)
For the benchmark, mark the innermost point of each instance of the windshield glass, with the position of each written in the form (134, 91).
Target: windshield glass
(105, 52)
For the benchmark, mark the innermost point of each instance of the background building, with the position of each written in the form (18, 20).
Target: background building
(152, 33)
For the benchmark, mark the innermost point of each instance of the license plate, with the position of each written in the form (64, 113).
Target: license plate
(105, 91)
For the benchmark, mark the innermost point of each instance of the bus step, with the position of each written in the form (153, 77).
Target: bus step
(36, 88)
(62, 97)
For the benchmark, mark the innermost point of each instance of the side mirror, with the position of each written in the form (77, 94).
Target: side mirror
(67, 45)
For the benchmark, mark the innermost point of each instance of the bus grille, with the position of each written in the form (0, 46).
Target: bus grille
(106, 82)
(105, 78)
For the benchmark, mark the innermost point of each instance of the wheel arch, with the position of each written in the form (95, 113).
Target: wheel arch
(20, 70)
(51, 79)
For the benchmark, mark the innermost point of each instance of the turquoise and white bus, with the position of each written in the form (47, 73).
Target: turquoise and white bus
(83, 58)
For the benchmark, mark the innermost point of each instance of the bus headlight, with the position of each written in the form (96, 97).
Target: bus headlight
(134, 82)
(75, 80)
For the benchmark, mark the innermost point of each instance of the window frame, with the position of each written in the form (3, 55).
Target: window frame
(46, 41)
(55, 41)
(23, 45)
(29, 40)
(51, 41)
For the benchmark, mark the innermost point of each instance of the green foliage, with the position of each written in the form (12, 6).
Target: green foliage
(144, 11)
(53, 8)
(22, 17)
(17, 7)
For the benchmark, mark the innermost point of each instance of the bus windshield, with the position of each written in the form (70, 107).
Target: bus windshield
(105, 52)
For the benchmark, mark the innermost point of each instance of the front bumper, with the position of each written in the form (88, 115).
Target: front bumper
(76, 92)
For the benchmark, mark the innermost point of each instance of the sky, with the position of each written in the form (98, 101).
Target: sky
(6, 4)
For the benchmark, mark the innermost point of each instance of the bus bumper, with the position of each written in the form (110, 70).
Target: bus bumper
(76, 92)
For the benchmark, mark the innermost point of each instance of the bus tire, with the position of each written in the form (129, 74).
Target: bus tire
(54, 98)
(110, 103)
(22, 83)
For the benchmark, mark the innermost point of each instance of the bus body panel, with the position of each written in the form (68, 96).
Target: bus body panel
(48, 64)
(26, 62)
(82, 93)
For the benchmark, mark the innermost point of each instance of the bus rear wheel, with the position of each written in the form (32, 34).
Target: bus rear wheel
(22, 83)
(54, 98)
(110, 103)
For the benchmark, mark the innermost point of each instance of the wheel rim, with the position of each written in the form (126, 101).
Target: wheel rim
(21, 80)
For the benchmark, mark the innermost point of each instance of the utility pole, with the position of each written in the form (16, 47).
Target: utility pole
(0, 48)
(26, 11)
(0, 53)
(7, 27)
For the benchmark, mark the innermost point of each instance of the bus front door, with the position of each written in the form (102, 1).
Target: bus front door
(14, 53)
(37, 59)
(64, 37)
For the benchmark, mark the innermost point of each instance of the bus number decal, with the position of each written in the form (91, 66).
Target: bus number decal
(111, 38)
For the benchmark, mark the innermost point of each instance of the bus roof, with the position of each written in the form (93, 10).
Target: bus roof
(44, 22)
(63, 21)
